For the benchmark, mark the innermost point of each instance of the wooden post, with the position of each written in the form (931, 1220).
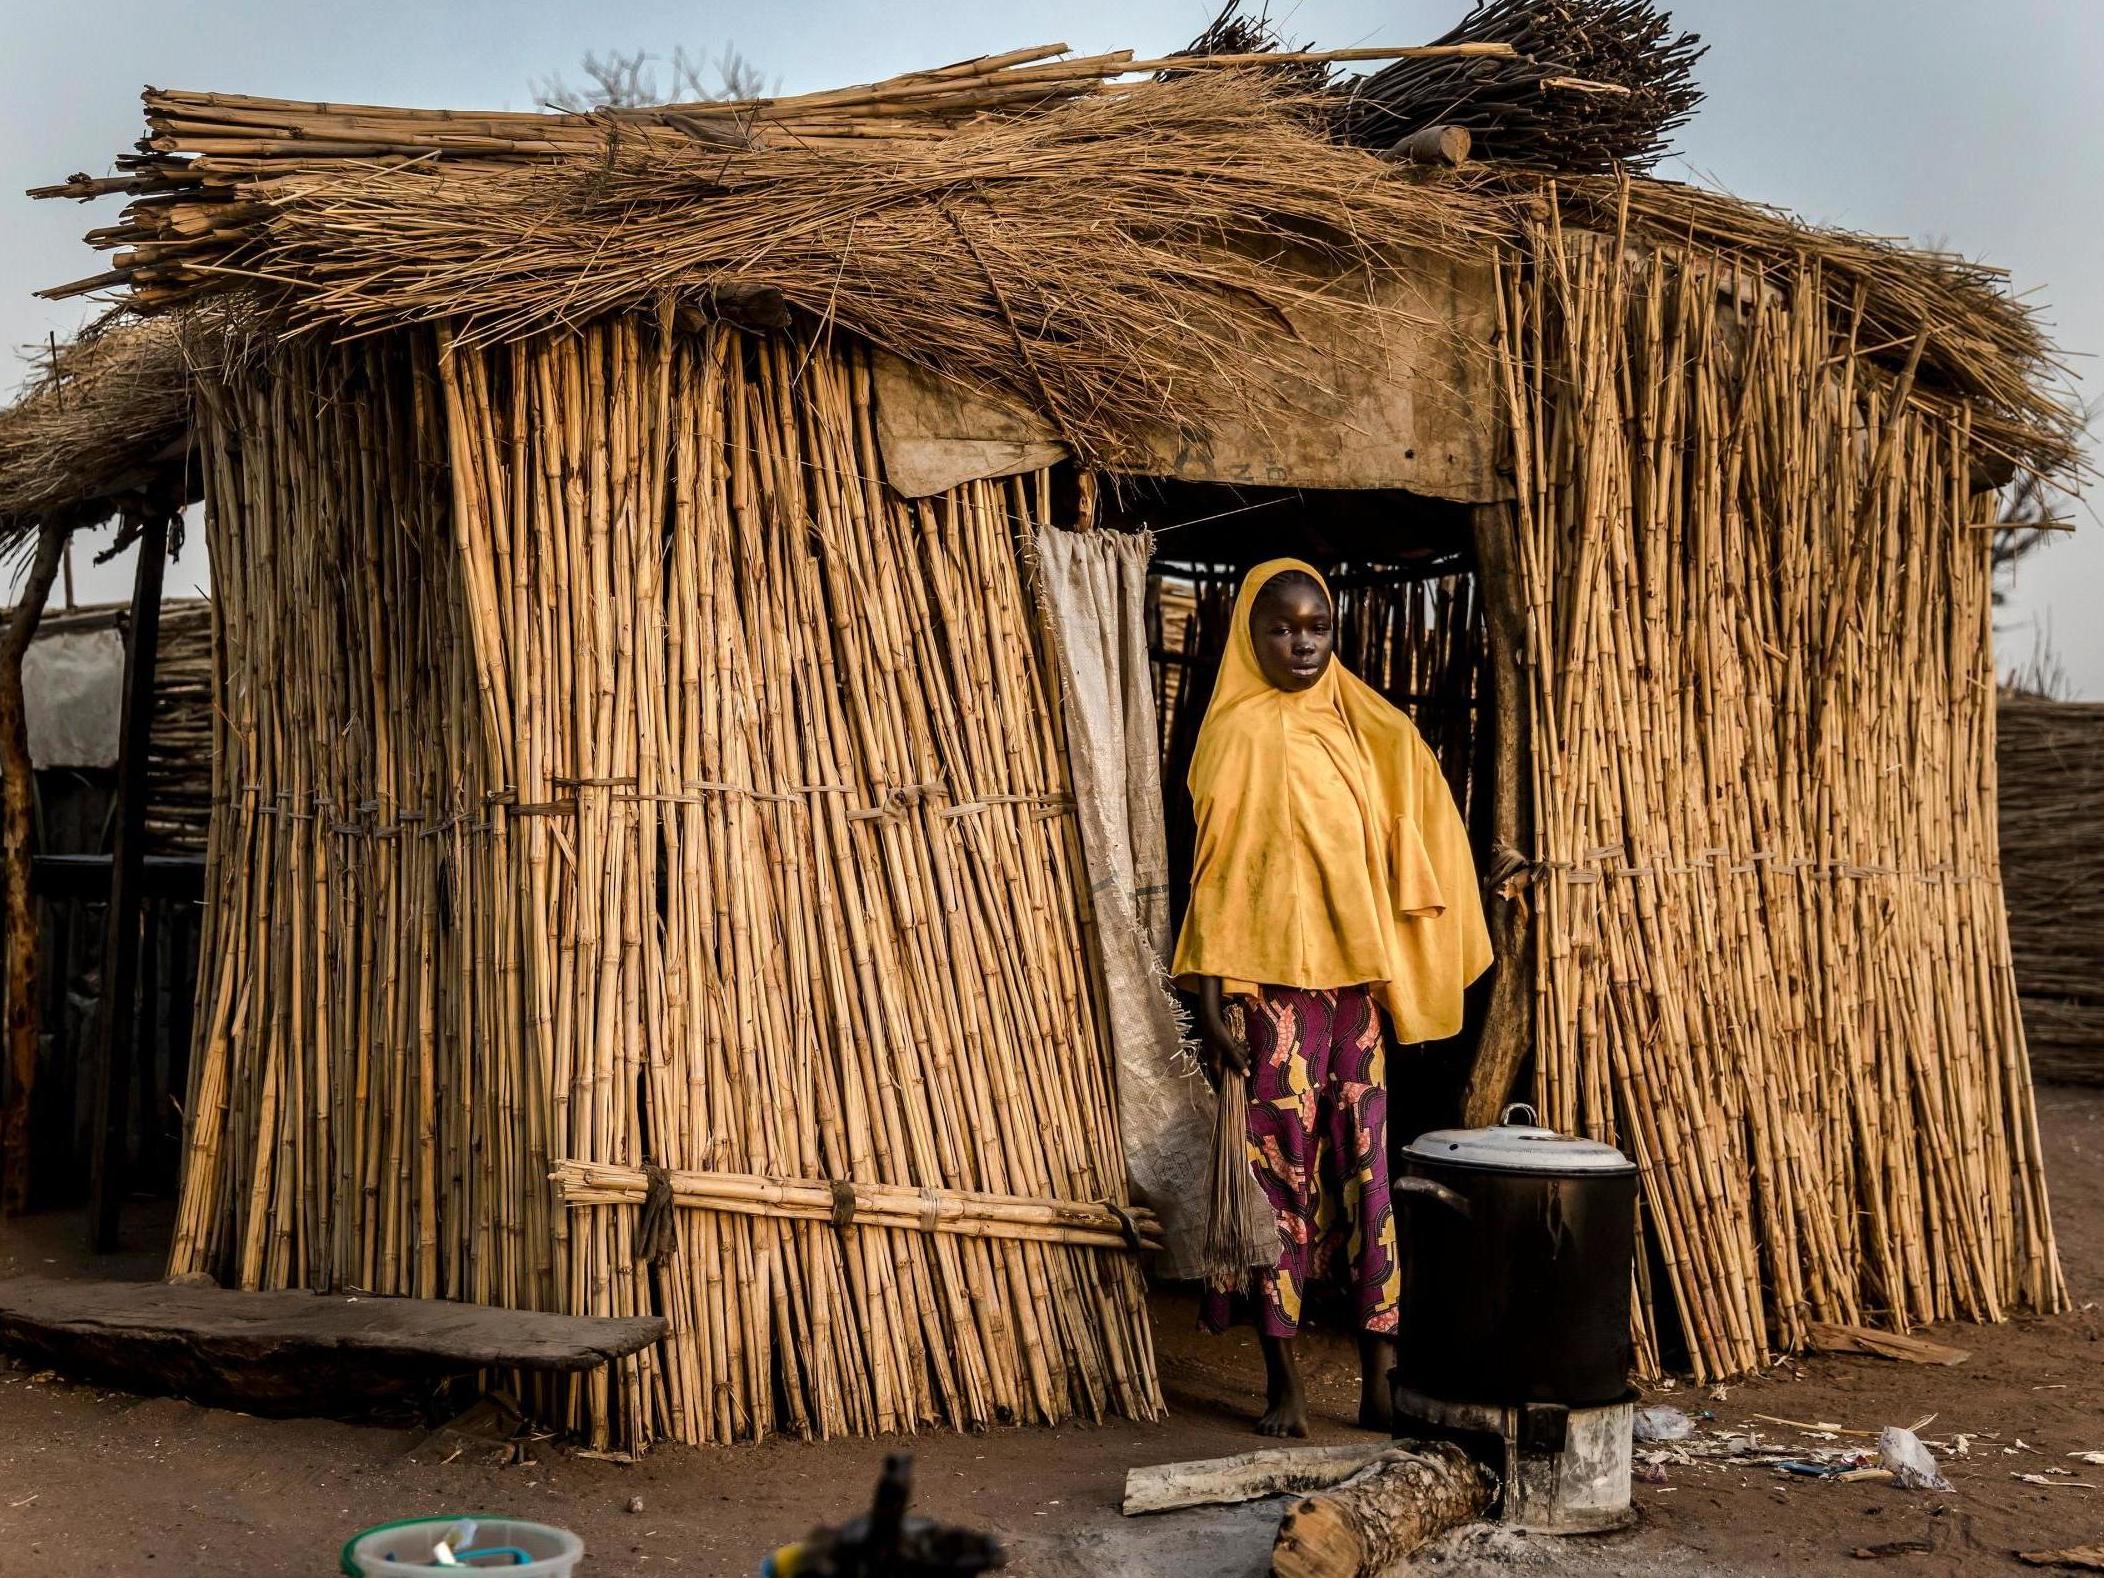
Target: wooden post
(1508, 1024)
(120, 959)
(18, 911)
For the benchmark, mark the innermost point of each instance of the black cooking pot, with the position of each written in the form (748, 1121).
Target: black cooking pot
(1516, 1246)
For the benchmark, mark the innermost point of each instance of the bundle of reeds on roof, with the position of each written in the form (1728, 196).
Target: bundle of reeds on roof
(1588, 86)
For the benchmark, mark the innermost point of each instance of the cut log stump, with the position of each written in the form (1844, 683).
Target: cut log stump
(290, 1352)
(1382, 1514)
(1440, 145)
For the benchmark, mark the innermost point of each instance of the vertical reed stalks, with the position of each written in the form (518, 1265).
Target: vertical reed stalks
(1772, 963)
(616, 772)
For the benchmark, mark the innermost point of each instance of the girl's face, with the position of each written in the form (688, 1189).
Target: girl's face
(1291, 629)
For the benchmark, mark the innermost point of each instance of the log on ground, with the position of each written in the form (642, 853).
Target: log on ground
(1379, 1516)
(1247, 1476)
(1830, 1337)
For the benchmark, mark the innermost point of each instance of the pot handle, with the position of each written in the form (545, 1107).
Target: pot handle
(1449, 1198)
(1505, 1117)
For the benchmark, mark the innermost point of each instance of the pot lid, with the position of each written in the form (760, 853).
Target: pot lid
(1514, 1146)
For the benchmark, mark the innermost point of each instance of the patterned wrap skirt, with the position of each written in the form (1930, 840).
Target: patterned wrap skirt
(1318, 1140)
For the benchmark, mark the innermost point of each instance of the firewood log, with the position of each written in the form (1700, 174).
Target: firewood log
(1381, 1515)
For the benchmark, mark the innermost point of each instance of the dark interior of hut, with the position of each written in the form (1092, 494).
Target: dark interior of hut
(75, 813)
(1409, 623)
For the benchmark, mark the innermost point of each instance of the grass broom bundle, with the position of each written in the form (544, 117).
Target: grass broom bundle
(1588, 85)
(1241, 1228)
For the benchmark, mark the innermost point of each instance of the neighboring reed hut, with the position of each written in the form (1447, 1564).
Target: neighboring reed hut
(73, 690)
(101, 430)
(2051, 759)
(645, 869)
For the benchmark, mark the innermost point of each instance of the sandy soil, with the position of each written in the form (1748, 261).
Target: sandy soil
(98, 1481)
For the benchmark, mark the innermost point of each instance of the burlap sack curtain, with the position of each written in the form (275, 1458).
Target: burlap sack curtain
(1094, 584)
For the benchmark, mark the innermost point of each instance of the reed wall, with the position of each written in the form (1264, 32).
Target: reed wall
(619, 782)
(1772, 960)
(2051, 776)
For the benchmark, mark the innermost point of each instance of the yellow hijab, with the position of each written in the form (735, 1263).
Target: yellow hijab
(1320, 878)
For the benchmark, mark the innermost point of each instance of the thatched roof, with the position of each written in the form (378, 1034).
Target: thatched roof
(103, 425)
(1982, 345)
(1099, 254)
(1027, 224)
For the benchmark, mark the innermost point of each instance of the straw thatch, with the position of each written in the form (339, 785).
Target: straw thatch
(1086, 261)
(1106, 252)
(104, 423)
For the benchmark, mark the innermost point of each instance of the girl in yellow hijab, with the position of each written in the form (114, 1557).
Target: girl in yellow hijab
(1332, 875)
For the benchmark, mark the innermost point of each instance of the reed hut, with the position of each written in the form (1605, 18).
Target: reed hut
(2051, 762)
(73, 690)
(662, 857)
(100, 430)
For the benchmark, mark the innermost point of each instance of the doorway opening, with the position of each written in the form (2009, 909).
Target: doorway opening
(1409, 622)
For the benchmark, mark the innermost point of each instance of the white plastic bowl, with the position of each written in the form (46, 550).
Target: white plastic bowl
(394, 1550)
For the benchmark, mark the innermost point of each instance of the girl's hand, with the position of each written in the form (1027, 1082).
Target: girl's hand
(1219, 1046)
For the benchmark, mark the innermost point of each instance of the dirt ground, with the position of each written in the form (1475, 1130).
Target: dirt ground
(105, 1482)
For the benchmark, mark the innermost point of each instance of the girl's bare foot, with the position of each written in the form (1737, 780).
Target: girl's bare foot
(1286, 1411)
(1285, 1400)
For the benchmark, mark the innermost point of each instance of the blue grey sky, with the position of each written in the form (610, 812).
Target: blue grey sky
(1981, 128)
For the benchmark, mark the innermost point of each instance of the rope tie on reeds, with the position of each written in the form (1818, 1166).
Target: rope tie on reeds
(1126, 1225)
(894, 801)
(843, 1202)
(897, 801)
(656, 1240)
(1053, 802)
(1721, 862)
(1508, 873)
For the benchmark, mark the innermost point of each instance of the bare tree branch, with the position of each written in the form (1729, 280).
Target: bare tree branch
(629, 80)
(2027, 520)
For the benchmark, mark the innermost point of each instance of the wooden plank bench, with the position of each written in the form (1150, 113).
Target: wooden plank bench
(291, 1352)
